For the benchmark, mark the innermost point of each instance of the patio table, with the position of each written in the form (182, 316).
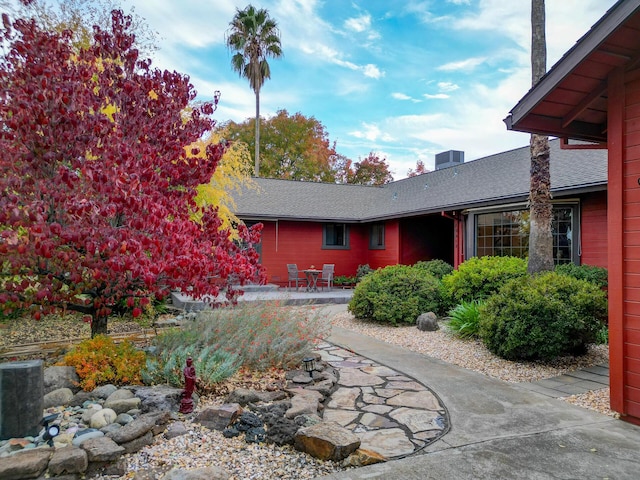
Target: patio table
(312, 279)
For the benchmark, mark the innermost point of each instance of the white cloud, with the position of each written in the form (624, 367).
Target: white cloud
(447, 87)
(358, 24)
(400, 96)
(372, 71)
(462, 65)
(435, 96)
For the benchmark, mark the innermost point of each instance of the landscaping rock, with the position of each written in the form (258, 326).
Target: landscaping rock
(139, 427)
(61, 377)
(90, 411)
(102, 418)
(363, 457)
(103, 392)
(137, 443)
(26, 464)
(102, 449)
(427, 322)
(57, 397)
(327, 441)
(122, 405)
(84, 435)
(68, 460)
(219, 418)
(176, 429)
(161, 397)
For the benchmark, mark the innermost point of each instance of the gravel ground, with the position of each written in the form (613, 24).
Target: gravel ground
(472, 355)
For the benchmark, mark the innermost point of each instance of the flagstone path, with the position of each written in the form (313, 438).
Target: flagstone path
(393, 415)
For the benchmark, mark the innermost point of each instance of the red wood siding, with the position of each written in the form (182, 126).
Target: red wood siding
(391, 253)
(593, 224)
(624, 242)
(286, 242)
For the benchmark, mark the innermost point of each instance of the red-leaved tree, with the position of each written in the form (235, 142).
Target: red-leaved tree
(97, 179)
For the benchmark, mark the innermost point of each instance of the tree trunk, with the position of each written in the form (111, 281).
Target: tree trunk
(541, 209)
(98, 325)
(257, 160)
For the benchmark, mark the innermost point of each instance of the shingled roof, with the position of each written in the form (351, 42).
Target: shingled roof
(493, 180)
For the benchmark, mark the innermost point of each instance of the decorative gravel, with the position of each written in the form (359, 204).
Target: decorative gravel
(473, 355)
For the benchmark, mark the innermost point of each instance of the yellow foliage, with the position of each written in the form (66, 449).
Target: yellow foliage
(232, 175)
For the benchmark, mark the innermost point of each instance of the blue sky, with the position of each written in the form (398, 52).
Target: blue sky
(405, 79)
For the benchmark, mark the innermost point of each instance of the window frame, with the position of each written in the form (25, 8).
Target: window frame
(573, 204)
(325, 236)
(377, 230)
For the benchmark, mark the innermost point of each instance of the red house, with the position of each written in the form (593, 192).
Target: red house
(466, 209)
(593, 94)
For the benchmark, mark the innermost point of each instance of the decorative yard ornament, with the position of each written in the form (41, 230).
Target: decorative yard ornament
(186, 402)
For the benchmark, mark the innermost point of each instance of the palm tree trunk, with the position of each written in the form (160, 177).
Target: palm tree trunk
(257, 159)
(541, 209)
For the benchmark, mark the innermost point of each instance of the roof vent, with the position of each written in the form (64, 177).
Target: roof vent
(449, 159)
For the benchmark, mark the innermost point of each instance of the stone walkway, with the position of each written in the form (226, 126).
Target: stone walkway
(572, 383)
(393, 414)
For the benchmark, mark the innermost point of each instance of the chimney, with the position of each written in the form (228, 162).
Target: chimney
(449, 159)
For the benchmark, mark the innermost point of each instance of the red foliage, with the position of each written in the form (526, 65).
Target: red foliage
(97, 187)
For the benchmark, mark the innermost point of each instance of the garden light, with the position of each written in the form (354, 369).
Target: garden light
(309, 365)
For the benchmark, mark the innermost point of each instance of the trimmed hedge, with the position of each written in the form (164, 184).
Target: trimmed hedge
(480, 277)
(590, 273)
(543, 317)
(437, 268)
(395, 294)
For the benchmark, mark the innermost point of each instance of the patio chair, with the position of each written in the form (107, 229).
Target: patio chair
(294, 275)
(327, 276)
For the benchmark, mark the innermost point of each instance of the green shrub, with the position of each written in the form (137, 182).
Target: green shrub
(480, 277)
(437, 268)
(464, 319)
(543, 317)
(395, 294)
(590, 273)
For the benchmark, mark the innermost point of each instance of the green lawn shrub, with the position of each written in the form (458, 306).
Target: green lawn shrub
(438, 268)
(464, 319)
(395, 294)
(480, 277)
(590, 273)
(542, 317)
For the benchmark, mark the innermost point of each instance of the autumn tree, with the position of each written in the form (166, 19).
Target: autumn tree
(79, 16)
(97, 189)
(232, 175)
(255, 37)
(373, 170)
(541, 209)
(420, 169)
(294, 147)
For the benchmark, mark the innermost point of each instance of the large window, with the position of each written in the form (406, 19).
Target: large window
(376, 236)
(335, 236)
(506, 233)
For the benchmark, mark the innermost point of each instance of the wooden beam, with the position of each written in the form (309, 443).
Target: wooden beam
(584, 104)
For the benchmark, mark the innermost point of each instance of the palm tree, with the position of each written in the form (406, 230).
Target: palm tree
(254, 36)
(541, 210)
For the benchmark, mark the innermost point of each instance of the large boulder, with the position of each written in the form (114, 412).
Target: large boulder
(327, 441)
(159, 397)
(58, 397)
(427, 322)
(68, 460)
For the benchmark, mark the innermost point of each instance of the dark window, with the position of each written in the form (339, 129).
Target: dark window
(376, 236)
(335, 235)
